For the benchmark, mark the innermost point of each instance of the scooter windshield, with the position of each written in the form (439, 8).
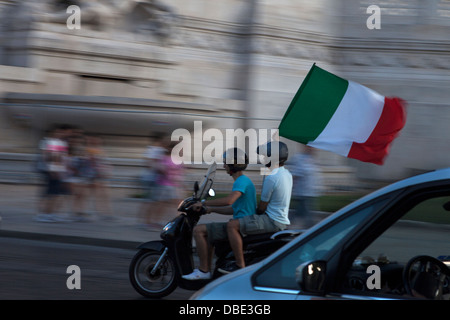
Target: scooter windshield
(207, 182)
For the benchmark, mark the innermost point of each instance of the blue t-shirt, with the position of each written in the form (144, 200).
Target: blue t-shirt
(245, 205)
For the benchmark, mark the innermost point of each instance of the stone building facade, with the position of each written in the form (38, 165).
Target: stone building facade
(139, 66)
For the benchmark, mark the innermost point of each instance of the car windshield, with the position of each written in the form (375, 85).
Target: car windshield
(281, 274)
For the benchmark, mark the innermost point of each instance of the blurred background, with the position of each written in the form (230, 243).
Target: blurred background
(137, 67)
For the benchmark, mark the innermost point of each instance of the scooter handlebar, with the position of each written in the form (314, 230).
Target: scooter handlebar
(187, 205)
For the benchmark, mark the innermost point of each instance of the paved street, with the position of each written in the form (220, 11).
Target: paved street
(34, 256)
(37, 270)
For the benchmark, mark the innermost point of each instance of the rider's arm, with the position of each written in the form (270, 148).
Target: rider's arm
(220, 205)
(227, 210)
(225, 201)
(262, 206)
(266, 195)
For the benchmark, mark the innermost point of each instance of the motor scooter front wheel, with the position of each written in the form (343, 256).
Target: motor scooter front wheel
(157, 284)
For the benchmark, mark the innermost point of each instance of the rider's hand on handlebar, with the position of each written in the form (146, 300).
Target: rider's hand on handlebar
(198, 207)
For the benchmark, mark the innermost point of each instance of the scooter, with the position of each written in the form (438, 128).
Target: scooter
(156, 269)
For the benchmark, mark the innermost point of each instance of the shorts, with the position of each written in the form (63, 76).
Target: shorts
(248, 225)
(216, 231)
(259, 223)
(55, 186)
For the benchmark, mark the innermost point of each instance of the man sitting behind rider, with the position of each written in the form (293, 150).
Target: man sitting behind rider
(273, 208)
(241, 202)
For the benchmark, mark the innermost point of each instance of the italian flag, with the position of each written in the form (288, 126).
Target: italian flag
(343, 117)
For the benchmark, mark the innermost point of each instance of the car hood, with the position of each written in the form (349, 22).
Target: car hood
(236, 284)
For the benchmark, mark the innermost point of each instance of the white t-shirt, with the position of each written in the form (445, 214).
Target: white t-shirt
(276, 190)
(57, 154)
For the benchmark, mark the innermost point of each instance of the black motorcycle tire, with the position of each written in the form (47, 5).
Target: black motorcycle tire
(163, 283)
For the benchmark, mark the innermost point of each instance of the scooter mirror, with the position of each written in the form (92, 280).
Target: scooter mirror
(196, 187)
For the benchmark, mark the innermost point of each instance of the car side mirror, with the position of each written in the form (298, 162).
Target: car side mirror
(310, 277)
(446, 206)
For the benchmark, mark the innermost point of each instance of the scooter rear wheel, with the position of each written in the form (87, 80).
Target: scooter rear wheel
(160, 284)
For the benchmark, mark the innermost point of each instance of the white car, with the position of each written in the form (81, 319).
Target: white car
(391, 244)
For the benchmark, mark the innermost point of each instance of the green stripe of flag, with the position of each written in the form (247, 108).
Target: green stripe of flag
(320, 89)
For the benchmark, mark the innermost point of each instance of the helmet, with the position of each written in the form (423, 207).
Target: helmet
(276, 151)
(236, 159)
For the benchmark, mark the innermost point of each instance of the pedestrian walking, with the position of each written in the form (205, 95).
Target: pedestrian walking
(150, 178)
(53, 166)
(307, 184)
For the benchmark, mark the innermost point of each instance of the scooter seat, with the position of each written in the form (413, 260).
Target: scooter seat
(257, 237)
(248, 239)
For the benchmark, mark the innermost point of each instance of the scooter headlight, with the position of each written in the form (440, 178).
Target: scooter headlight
(168, 226)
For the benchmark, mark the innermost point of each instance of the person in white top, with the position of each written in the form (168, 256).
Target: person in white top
(53, 165)
(307, 184)
(276, 195)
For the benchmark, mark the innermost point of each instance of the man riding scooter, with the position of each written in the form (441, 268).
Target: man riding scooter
(241, 202)
(160, 266)
(273, 208)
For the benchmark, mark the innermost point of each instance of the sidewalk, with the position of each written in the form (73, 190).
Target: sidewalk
(18, 209)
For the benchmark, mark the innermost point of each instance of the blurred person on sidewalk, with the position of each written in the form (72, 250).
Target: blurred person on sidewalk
(53, 165)
(99, 170)
(40, 165)
(77, 174)
(150, 177)
(307, 184)
(170, 188)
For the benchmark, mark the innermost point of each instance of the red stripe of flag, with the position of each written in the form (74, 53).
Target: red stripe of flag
(376, 147)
